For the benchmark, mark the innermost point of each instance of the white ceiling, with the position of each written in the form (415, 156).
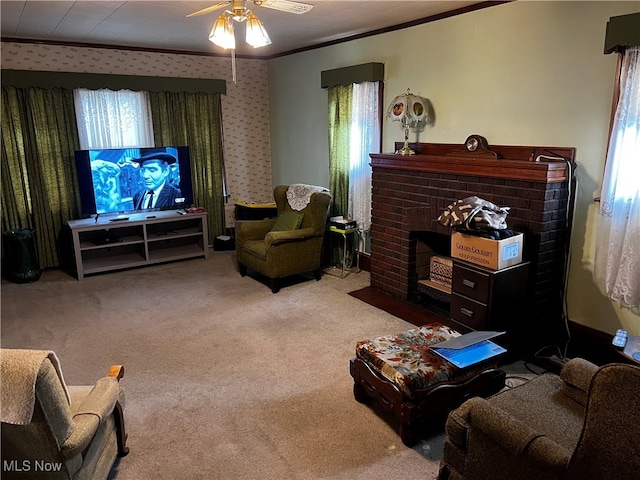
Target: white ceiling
(162, 25)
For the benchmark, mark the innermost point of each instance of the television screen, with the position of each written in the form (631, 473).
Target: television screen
(120, 180)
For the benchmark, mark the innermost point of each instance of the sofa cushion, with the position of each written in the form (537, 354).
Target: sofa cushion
(540, 405)
(256, 248)
(288, 221)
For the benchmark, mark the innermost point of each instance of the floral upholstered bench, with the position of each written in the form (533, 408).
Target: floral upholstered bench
(403, 374)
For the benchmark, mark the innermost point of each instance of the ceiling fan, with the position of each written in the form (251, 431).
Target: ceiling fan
(223, 33)
(239, 7)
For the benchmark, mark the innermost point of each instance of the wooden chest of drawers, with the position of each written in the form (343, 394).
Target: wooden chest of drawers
(484, 299)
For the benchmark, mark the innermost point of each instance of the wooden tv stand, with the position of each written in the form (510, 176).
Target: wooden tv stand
(140, 240)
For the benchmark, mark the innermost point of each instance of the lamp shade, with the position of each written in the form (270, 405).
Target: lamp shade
(409, 109)
(257, 35)
(222, 33)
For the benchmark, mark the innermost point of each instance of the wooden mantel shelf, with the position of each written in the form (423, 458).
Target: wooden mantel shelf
(514, 163)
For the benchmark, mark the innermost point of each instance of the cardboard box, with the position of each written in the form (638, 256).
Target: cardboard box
(493, 254)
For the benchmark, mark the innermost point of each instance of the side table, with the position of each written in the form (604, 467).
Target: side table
(344, 234)
(255, 211)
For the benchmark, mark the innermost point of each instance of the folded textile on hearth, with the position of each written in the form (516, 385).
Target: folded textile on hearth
(441, 270)
(299, 194)
(474, 213)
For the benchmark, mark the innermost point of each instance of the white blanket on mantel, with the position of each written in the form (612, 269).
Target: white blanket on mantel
(299, 194)
(19, 370)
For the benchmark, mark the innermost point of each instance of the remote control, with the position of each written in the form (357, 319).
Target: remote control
(620, 339)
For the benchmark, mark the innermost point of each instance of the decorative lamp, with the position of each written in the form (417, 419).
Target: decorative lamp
(412, 112)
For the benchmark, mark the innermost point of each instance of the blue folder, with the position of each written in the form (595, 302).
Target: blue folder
(469, 349)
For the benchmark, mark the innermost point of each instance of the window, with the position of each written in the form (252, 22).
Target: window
(354, 131)
(617, 258)
(365, 139)
(113, 119)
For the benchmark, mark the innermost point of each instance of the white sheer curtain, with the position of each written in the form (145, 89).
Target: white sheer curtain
(365, 139)
(113, 119)
(617, 257)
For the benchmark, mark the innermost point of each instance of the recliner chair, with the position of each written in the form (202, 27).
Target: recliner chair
(583, 424)
(289, 251)
(50, 429)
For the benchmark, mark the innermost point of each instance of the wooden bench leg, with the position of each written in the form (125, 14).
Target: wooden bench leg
(408, 435)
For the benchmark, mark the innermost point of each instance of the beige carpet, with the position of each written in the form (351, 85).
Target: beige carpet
(224, 379)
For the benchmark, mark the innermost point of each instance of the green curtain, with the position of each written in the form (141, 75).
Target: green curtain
(39, 184)
(195, 120)
(339, 122)
(339, 143)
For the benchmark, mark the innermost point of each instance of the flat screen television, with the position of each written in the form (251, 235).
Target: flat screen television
(125, 180)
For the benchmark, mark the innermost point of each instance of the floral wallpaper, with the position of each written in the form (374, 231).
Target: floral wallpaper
(245, 107)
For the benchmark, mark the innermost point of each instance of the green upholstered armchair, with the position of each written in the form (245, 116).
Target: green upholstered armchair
(285, 252)
(54, 431)
(583, 424)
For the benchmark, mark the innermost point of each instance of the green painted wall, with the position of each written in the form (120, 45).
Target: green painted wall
(522, 73)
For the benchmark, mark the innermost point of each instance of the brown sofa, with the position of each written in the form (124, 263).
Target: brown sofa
(583, 424)
(279, 254)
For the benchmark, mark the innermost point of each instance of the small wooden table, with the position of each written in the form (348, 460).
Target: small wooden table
(255, 211)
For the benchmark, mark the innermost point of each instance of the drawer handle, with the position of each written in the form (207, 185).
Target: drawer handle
(467, 312)
(468, 283)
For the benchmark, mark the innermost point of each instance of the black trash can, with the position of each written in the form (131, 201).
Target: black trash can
(20, 263)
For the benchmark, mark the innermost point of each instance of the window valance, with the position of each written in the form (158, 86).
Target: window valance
(366, 72)
(622, 31)
(95, 81)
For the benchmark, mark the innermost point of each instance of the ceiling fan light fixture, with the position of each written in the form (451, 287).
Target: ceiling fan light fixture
(222, 33)
(256, 34)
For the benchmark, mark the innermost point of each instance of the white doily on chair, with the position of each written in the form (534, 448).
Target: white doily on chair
(299, 194)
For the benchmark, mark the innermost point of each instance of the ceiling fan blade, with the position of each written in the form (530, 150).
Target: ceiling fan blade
(285, 6)
(209, 9)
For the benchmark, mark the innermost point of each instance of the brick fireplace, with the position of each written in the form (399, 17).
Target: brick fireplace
(410, 192)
